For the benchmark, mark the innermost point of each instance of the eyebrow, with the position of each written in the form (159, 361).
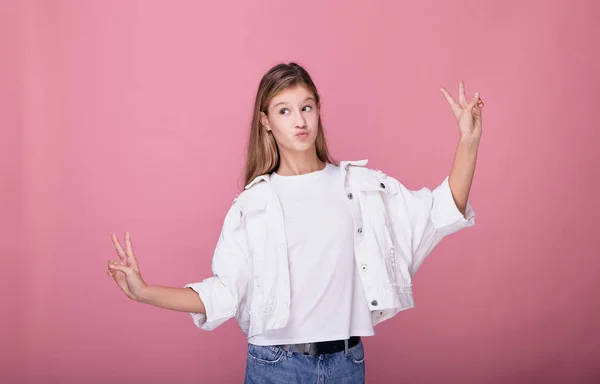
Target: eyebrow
(305, 100)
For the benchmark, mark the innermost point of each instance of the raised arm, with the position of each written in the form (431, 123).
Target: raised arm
(463, 169)
(468, 115)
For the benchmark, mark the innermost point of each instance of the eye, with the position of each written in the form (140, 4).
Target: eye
(309, 108)
(281, 112)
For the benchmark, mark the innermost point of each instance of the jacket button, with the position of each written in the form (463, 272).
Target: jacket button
(382, 185)
(359, 230)
(350, 196)
(364, 267)
(374, 303)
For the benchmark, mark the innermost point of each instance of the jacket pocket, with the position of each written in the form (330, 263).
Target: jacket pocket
(253, 217)
(376, 193)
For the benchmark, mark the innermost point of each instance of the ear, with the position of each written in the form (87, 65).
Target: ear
(264, 120)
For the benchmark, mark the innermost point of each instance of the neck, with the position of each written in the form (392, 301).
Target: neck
(299, 163)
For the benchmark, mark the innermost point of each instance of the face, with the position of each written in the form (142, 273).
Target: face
(293, 119)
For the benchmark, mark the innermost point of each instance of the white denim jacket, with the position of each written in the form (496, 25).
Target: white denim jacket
(395, 229)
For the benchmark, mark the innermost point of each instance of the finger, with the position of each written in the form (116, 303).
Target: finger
(449, 98)
(473, 102)
(114, 266)
(128, 246)
(121, 281)
(118, 247)
(462, 98)
(129, 250)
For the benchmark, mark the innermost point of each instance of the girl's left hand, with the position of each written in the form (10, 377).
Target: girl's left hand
(467, 114)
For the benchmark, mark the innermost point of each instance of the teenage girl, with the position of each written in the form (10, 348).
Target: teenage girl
(314, 253)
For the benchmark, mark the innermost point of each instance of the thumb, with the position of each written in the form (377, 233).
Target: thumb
(473, 102)
(120, 267)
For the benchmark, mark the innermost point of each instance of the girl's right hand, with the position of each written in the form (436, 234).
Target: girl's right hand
(127, 273)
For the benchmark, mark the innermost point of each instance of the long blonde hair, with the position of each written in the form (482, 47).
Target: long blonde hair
(263, 154)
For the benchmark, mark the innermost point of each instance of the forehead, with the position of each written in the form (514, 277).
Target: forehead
(296, 93)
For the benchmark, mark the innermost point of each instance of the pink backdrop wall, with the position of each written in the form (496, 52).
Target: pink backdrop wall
(133, 115)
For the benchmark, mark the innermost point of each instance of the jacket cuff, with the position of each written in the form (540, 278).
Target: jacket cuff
(445, 213)
(199, 319)
(214, 298)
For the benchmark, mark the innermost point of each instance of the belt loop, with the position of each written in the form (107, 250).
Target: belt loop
(290, 351)
(346, 347)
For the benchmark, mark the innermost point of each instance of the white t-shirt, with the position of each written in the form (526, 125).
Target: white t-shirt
(327, 298)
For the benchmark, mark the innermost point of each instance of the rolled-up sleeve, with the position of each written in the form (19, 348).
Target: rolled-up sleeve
(223, 292)
(432, 215)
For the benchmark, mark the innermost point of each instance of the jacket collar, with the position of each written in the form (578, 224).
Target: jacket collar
(266, 177)
(357, 163)
(343, 164)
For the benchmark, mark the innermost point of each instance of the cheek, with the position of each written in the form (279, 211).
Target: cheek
(279, 138)
(278, 122)
(279, 133)
(278, 128)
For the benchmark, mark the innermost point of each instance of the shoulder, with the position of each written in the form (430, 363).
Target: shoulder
(371, 179)
(364, 172)
(249, 200)
(358, 169)
(252, 198)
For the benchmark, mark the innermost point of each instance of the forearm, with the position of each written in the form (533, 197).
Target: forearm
(463, 169)
(175, 299)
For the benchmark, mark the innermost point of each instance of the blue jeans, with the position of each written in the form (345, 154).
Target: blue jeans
(273, 365)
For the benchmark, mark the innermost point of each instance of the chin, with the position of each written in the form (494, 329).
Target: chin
(304, 146)
(301, 147)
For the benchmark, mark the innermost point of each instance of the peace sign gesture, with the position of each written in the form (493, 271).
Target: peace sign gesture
(467, 114)
(127, 273)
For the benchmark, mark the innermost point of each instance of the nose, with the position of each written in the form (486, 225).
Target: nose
(300, 120)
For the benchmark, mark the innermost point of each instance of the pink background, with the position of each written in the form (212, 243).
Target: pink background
(133, 115)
